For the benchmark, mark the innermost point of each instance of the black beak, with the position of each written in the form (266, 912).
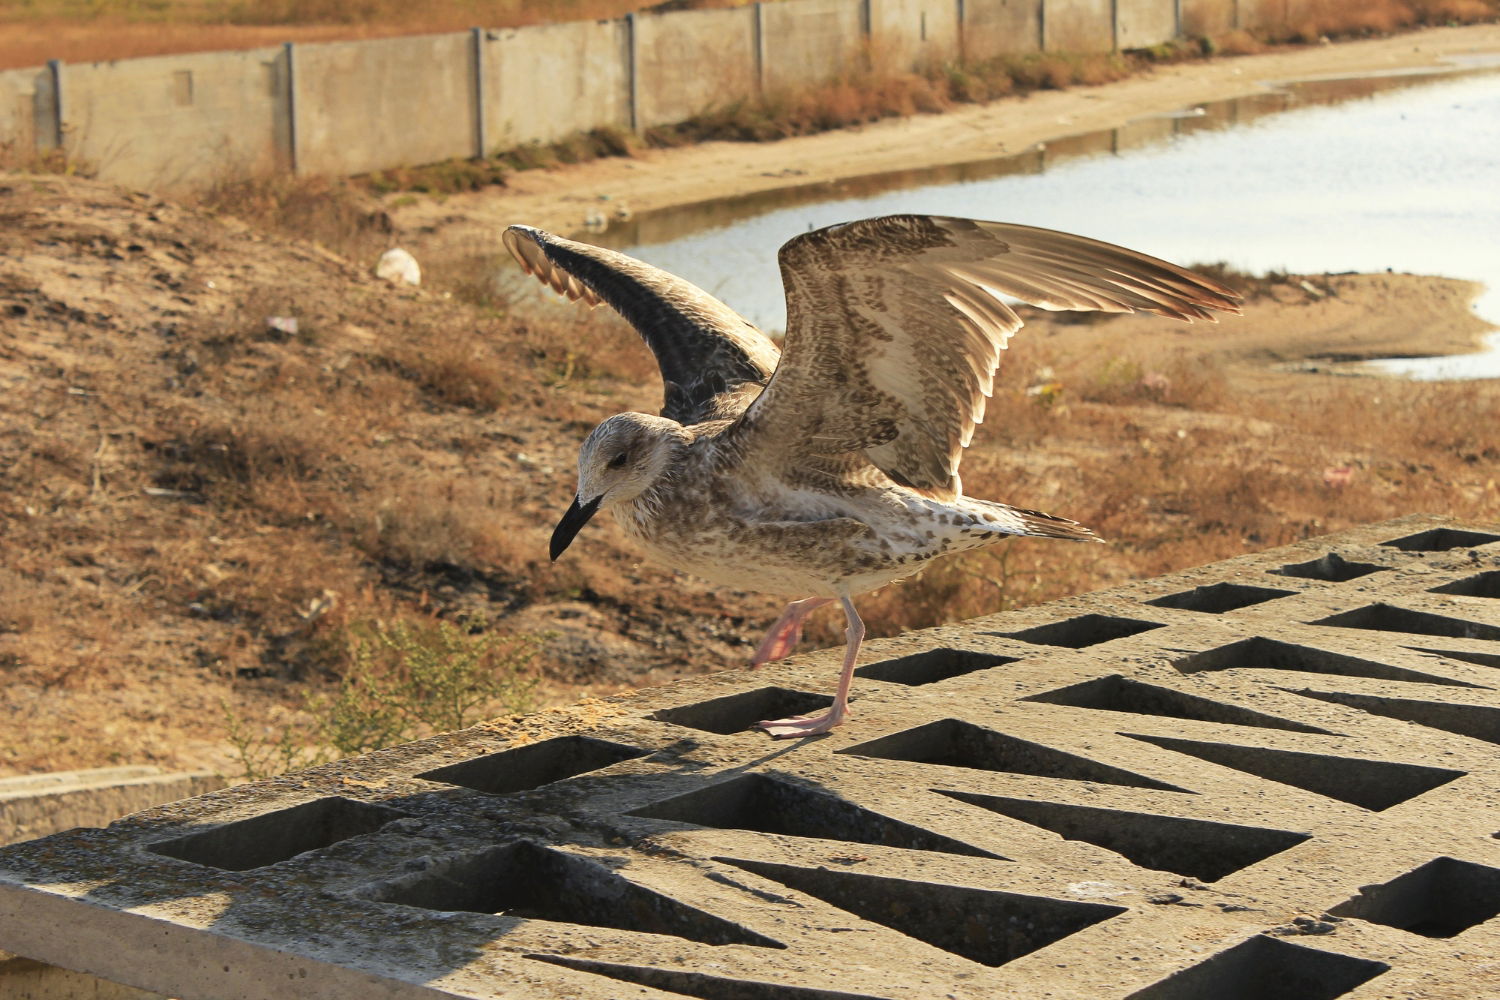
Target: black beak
(573, 521)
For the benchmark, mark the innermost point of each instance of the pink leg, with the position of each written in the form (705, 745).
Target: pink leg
(782, 638)
(811, 725)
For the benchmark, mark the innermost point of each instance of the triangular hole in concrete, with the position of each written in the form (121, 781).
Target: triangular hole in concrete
(774, 805)
(1389, 618)
(955, 743)
(1370, 784)
(1478, 721)
(1266, 968)
(1260, 653)
(996, 927)
(1119, 694)
(538, 883)
(697, 984)
(1198, 848)
(1478, 659)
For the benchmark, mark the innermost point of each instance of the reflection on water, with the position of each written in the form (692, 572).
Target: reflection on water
(1396, 172)
(655, 229)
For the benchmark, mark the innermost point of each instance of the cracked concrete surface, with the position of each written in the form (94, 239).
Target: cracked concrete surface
(1270, 778)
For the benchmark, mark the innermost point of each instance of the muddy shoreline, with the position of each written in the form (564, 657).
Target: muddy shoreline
(1437, 319)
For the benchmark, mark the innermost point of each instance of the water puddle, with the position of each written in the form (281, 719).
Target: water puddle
(1398, 171)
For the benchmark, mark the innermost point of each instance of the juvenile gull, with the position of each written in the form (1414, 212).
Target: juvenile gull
(830, 468)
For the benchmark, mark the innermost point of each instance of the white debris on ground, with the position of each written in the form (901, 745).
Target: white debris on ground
(398, 267)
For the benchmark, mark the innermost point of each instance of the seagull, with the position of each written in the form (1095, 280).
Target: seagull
(829, 467)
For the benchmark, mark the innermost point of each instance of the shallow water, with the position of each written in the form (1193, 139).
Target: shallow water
(1398, 172)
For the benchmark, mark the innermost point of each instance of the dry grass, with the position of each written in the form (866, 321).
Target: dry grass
(873, 87)
(187, 490)
(333, 212)
(1319, 19)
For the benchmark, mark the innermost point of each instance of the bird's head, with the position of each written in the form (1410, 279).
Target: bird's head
(620, 459)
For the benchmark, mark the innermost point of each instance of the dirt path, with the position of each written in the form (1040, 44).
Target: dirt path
(560, 199)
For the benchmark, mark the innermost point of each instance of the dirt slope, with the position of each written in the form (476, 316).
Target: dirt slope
(182, 486)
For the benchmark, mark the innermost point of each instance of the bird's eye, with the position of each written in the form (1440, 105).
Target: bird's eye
(618, 462)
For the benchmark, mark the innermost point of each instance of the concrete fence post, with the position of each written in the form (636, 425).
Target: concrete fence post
(57, 125)
(290, 51)
(1176, 18)
(760, 48)
(481, 141)
(1114, 25)
(963, 56)
(1041, 25)
(867, 32)
(632, 69)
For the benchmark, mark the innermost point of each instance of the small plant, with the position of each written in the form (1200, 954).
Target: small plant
(403, 679)
(265, 755)
(435, 675)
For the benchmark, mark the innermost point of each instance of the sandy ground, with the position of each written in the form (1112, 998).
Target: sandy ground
(560, 199)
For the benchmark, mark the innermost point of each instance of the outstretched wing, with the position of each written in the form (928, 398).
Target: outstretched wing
(712, 361)
(895, 327)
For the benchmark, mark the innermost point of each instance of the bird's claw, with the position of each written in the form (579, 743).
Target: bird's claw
(802, 725)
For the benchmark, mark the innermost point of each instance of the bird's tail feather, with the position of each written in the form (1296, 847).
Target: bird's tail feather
(1035, 522)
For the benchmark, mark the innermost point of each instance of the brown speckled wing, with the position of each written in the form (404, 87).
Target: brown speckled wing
(894, 334)
(712, 360)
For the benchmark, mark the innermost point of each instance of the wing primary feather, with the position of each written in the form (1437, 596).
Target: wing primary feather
(895, 327)
(705, 351)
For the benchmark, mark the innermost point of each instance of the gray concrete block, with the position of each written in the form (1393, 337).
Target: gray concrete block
(1078, 26)
(1140, 24)
(1252, 14)
(690, 61)
(995, 28)
(39, 804)
(548, 81)
(175, 122)
(365, 105)
(810, 41)
(1273, 777)
(1207, 17)
(909, 34)
(19, 109)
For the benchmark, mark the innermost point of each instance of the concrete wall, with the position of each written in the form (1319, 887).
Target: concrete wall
(1254, 14)
(1078, 26)
(18, 110)
(808, 41)
(1207, 17)
(994, 28)
(175, 121)
(672, 52)
(548, 81)
(366, 105)
(39, 804)
(914, 32)
(1143, 23)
